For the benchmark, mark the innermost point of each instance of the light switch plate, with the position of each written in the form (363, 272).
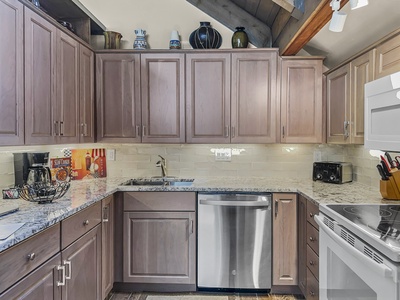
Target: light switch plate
(110, 154)
(223, 154)
(317, 156)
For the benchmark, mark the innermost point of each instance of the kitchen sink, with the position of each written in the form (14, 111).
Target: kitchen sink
(158, 182)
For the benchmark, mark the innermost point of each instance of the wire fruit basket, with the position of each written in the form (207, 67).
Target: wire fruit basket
(43, 192)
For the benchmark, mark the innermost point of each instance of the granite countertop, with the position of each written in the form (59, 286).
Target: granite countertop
(84, 193)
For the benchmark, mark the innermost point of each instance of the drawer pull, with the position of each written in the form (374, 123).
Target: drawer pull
(312, 293)
(312, 239)
(105, 214)
(62, 283)
(311, 215)
(68, 263)
(86, 222)
(312, 263)
(32, 256)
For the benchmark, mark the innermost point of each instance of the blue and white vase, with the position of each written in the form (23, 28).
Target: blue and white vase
(174, 42)
(140, 41)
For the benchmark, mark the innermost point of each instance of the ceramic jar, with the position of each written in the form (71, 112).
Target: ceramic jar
(112, 40)
(140, 41)
(240, 38)
(205, 37)
(174, 42)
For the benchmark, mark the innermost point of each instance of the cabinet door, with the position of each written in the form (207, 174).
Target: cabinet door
(67, 104)
(388, 57)
(301, 101)
(43, 283)
(82, 260)
(208, 98)
(107, 248)
(40, 79)
(362, 71)
(163, 98)
(338, 105)
(86, 94)
(118, 98)
(159, 247)
(11, 73)
(302, 231)
(254, 101)
(285, 254)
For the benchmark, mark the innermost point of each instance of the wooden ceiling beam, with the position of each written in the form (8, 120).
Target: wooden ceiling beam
(232, 16)
(317, 19)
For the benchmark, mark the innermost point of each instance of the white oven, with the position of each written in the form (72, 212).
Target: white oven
(352, 269)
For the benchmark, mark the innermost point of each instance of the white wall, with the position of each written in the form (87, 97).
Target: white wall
(157, 17)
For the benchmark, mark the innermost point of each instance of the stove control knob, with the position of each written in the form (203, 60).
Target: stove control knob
(332, 177)
(319, 176)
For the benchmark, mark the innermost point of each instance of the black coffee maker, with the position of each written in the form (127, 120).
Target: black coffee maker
(31, 167)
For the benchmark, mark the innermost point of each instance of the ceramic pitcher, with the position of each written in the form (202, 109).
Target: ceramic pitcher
(140, 41)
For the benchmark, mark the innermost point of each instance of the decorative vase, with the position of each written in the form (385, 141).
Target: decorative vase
(205, 37)
(112, 40)
(174, 42)
(240, 38)
(140, 41)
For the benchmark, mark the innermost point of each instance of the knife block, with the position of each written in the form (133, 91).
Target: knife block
(390, 189)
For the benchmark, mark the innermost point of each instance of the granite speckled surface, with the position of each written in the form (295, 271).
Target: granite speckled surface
(84, 193)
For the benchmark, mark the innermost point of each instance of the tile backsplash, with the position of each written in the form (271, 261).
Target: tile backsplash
(189, 160)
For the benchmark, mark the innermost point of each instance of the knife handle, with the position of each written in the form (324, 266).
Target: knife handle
(385, 168)
(390, 160)
(382, 173)
(384, 161)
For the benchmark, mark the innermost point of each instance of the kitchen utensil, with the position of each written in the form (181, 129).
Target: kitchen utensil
(43, 192)
(385, 167)
(382, 172)
(390, 160)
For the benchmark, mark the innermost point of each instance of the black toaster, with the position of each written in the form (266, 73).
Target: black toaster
(333, 172)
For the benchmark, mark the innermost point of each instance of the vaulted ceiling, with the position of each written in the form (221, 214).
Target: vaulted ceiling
(285, 24)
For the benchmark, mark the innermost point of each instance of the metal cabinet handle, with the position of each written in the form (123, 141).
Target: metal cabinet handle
(86, 222)
(32, 256)
(346, 129)
(283, 131)
(82, 129)
(233, 131)
(191, 226)
(312, 293)
(143, 130)
(226, 131)
(62, 268)
(85, 132)
(61, 128)
(312, 239)
(312, 263)
(105, 214)
(68, 263)
(137, 130)
(276, 208)
(311, 215)
(56, 133)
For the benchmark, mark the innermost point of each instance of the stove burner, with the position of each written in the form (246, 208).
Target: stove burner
(395, 208)
(351, 210)
(384, 213)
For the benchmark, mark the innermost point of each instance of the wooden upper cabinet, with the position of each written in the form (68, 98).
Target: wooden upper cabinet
(163, 97)
(118, 97)
(338, 105)
(388, 57)
(40, 76)
(66, 114)
(254, 105)
(11, 73)
(208, 97)
(302, 106)
(86, 95)
(362, 72)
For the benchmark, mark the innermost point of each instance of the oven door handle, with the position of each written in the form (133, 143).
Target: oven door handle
(236, 203)
(381, 268)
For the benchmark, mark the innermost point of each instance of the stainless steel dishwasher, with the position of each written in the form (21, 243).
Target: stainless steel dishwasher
(234, 241)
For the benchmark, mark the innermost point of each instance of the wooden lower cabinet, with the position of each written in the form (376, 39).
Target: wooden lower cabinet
(41, 284)
(82, 261)
(107, 249)
(284, 252)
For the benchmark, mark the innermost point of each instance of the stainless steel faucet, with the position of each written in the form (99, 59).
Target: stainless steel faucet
(163, 165)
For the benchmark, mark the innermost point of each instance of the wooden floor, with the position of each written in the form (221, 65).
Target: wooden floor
(198, 296)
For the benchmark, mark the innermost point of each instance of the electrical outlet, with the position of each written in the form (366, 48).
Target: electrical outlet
(224, 154)
(317, 156)
(110, 154)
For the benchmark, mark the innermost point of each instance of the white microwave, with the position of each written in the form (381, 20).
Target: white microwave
(382, 113)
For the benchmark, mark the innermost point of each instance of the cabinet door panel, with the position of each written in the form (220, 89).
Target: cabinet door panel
(107, 249)
(208, 98)
(388, 57)
(159, 247)
(338, 104)
(254, 99)
(86, 94)
(40, 61)
(302, 231)
(362, 71)
(285, 253)
(67, 88)
(163, 98)
(85, 272)
(118, 97)
(11, 73)
(302, 101)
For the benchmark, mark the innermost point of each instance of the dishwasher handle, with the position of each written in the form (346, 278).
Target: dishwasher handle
(236, 203)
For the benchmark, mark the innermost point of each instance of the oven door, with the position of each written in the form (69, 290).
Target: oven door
(347, 273)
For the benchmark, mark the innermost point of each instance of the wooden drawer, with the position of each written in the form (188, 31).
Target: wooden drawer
(313, 262)
(78, 224)
(313, 238)
(312, 209)
(312, 287)
(159, 201)
(23, 258)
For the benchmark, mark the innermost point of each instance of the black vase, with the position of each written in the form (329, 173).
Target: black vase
(239, 38)
(205, 37)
